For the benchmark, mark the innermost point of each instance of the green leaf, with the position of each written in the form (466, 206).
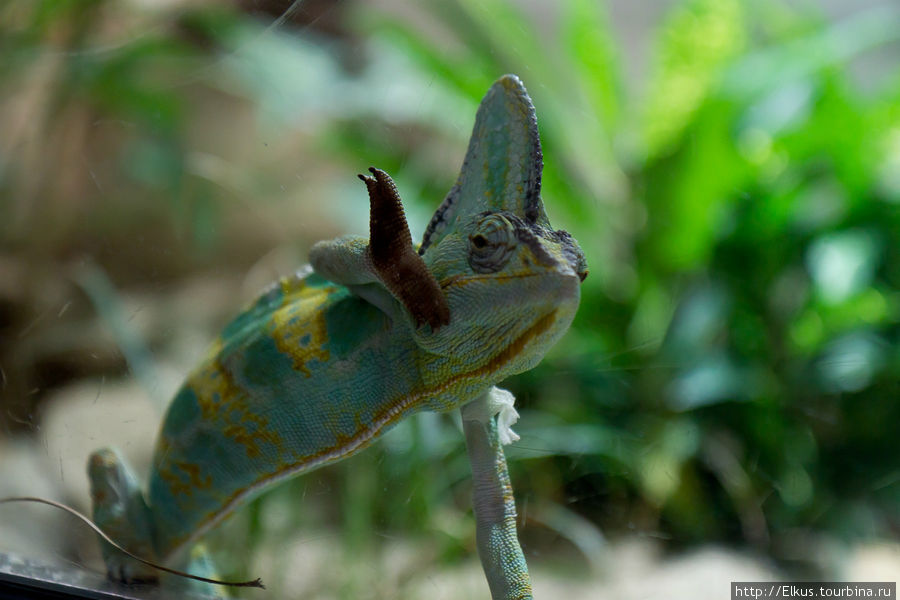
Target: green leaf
(690, 194)
(586, 31)
(698, 40)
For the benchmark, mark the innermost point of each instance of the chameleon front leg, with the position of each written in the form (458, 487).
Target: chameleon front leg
(492, 495)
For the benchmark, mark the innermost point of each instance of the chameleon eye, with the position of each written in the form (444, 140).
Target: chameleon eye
(491, 244)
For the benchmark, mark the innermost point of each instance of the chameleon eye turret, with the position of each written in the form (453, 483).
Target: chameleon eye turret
(491, 244)
(328, 359)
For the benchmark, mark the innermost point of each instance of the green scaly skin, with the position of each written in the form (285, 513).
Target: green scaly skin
(325, 361)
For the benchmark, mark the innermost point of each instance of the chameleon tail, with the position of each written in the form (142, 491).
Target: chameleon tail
(494, 505)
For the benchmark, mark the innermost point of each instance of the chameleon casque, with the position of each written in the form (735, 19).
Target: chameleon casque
(327, 360)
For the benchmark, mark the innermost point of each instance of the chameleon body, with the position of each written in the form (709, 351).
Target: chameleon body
(325, 361)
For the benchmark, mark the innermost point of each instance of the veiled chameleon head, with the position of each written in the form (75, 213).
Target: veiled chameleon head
(492, 284)
(510, 281)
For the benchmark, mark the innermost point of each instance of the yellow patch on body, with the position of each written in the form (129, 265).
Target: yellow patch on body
(299, 329)
(220, 398)
(177, 485)
(193, 472)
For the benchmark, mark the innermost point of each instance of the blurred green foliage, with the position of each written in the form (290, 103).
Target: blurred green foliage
(734, 372)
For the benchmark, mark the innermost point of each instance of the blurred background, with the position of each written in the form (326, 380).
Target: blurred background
(725, 406)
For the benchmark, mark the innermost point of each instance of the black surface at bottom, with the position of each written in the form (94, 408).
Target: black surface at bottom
(24, 579)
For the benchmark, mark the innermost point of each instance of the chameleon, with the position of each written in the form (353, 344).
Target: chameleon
(325, 361)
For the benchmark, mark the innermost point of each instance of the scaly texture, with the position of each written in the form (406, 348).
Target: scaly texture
(493, 503)
(325, 361)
